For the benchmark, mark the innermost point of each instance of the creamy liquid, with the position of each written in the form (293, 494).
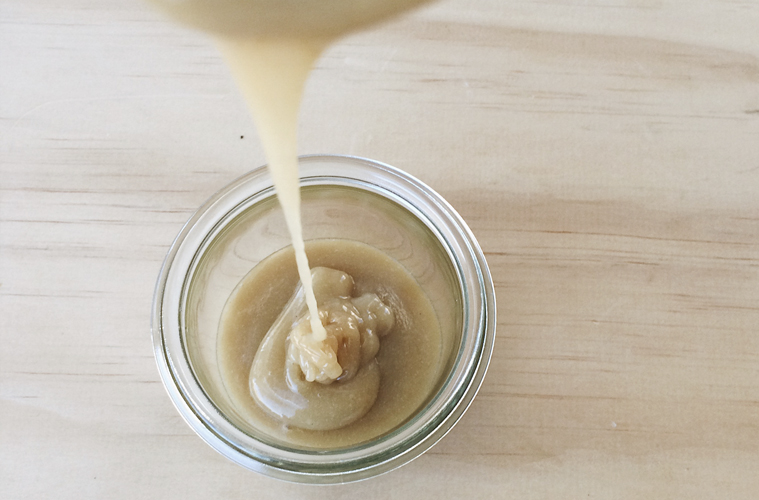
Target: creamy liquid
(322, 385)
(283, 19)
(271, 45)
(272, 75)
(408, 359)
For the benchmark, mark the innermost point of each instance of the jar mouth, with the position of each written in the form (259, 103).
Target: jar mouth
(173, 350)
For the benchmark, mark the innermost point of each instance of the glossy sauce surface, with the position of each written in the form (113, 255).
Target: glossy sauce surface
(407, 361)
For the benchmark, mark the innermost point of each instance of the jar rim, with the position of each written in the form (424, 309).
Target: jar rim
(364, 460)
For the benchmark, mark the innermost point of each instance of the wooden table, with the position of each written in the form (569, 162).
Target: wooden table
(605, 153)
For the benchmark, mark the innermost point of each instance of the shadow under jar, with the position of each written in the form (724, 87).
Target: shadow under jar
(360, 202)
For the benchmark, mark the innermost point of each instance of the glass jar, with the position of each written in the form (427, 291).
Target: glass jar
(341, 198)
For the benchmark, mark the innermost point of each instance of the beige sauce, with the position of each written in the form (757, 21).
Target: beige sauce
(271, 75)
(322, 385)
(407, 360)
(271, 46)
(283, 19)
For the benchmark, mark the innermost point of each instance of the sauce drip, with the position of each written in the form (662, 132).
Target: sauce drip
(271, 46)
(271, 75)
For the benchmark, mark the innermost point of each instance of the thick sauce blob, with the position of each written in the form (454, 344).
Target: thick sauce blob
(389, 389)
(322, 385)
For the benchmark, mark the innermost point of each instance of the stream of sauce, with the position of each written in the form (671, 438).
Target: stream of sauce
(271, 46)
(271, 75)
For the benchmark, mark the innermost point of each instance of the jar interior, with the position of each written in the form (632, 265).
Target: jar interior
(256, 229)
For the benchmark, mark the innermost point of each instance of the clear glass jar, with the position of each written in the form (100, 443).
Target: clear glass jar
(341, 196)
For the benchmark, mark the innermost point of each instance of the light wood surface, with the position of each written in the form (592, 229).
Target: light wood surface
(605, 153)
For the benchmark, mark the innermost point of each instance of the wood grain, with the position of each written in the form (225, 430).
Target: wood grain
(605, 154)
